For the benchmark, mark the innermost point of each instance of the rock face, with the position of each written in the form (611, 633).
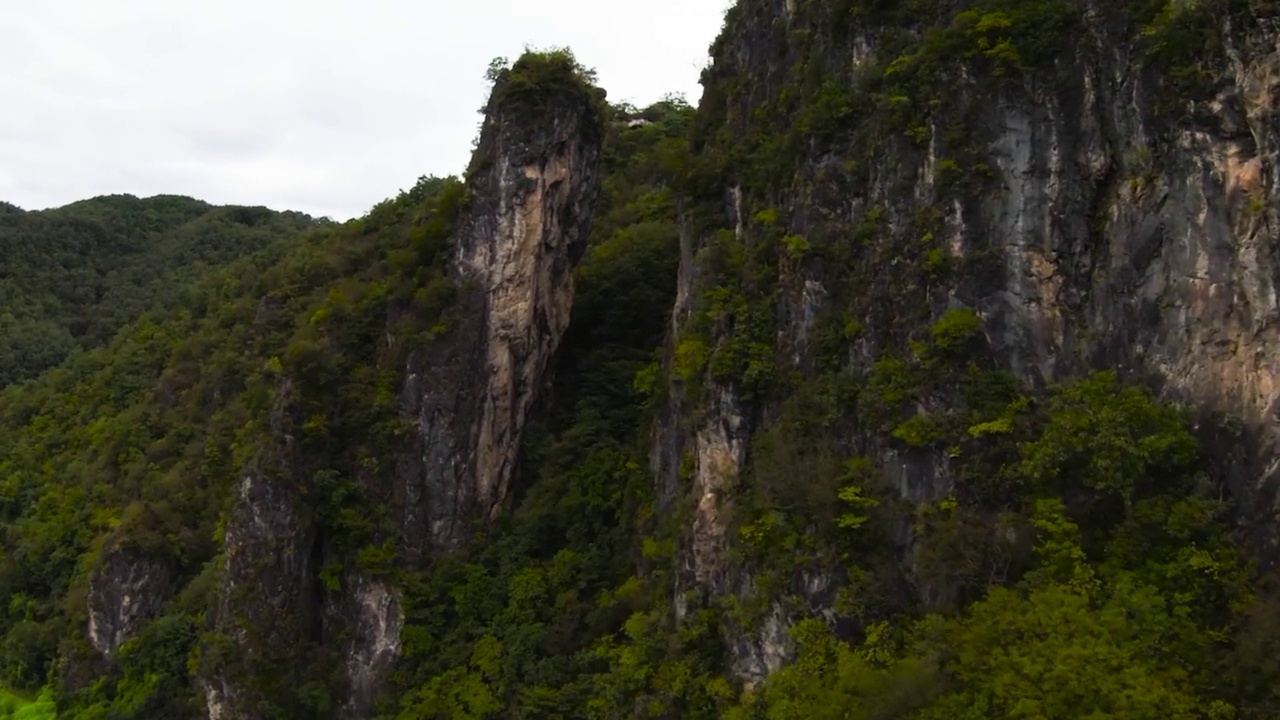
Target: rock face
(523, 263)
(267, 573)
(1104, 218)
(374, 613)
(532, 189)
(466, 395)
(125, 592)
(268, 603)
(1177, 274)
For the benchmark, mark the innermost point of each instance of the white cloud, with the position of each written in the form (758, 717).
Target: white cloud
(324, 106)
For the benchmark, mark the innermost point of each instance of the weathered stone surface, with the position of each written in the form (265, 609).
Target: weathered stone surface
(1113, 236)
(267, 606)
(532, 193)
(370, 609)
(467, 395)
(126, 591)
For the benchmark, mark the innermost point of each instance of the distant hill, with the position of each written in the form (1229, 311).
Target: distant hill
(71, 277)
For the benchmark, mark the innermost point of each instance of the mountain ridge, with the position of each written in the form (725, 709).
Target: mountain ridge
(920, 372)
(72, 276)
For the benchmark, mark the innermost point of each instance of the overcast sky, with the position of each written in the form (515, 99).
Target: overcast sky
(323, 106)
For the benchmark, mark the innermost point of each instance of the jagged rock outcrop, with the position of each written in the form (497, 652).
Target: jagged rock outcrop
(532, 188)
(1094, 211)
(266, 613)
(126, 591)
(466, 395)
(267, 573)
(373, 613)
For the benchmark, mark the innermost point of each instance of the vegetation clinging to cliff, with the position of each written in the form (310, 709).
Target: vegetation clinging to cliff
(133, 446)
(539, 81)
(1082, 562)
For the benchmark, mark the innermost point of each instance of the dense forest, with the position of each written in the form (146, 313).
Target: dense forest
(70, 278)
(875, 399)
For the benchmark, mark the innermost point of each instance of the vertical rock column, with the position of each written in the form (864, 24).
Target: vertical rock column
(531, 187)
(533, 182)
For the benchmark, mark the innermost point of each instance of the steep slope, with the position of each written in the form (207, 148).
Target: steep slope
(922, 372)
(71, 277)
(464, 398)
(914, 219)
(513, 624)
(229, 500)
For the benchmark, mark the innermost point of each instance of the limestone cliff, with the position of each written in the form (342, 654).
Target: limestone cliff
(125, 592)
(465, 396)
(532, 186)
(1101, 193)
(899, 226)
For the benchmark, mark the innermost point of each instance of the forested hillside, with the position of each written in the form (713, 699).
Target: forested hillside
(73, 276)
(924, 370)
(130, 450)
